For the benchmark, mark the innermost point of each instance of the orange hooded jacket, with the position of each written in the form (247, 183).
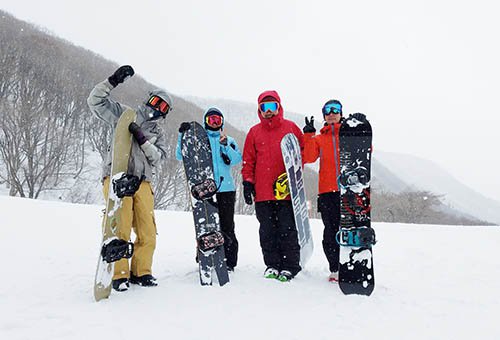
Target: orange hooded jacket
(326, 147)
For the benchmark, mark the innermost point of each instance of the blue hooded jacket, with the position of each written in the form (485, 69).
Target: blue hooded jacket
(221, 169)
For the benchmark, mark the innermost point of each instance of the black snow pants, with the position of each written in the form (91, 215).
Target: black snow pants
(329, 207)
(278, 235)
(225, 202)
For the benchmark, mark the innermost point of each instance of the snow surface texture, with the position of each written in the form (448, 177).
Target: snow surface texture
(431, 283)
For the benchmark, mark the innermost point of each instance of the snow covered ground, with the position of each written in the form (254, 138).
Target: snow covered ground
(431, 283)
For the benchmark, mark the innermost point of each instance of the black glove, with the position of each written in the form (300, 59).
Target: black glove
(225, 158)
(359, 116)
(121, 75)
(309, 126)
(248, 192)
(136, 131)
(184, 127)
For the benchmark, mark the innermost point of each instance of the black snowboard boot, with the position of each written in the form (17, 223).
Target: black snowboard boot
(147, 280)
(120, 285)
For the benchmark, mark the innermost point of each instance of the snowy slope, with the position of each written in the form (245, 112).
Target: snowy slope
(423, 174)
(431, 283)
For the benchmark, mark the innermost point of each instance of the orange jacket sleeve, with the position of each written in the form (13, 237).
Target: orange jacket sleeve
(311, 148)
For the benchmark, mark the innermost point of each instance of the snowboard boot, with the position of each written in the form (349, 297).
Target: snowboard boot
(271, 273)
(147, 280)
(334, 277)
(285, 276)
(121, 285)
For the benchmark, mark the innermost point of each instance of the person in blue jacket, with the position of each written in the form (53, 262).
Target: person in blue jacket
(225, 154)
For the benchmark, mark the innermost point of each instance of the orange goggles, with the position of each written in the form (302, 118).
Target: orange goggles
(214, 120)
(158, 104)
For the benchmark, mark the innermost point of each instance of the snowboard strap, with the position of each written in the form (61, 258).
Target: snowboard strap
(206, 189)
(116, 250)
(210, 241)
(126, 185)
(356, 237)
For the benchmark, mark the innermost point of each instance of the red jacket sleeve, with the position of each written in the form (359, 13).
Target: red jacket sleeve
(300, 136)
(249, 158)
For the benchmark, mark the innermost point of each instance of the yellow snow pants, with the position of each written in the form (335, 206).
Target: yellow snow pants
(138, 214)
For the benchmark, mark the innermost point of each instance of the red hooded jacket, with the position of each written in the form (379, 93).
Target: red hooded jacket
(262, 160)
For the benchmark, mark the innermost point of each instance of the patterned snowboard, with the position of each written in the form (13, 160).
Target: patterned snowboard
(197, 159)
(356, 259)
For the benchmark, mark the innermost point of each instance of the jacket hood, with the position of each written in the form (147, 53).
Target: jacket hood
(276, 119)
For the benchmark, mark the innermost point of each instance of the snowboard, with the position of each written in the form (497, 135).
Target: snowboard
(355, 235)
(292, 157)
(112, 248)
(198, 166)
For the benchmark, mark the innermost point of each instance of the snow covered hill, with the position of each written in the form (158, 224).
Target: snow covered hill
(423, 174)
(431, 283)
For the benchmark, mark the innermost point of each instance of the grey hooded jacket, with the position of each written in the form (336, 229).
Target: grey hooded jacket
(143, 158)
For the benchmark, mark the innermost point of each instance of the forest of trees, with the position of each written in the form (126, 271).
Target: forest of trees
(49, 140)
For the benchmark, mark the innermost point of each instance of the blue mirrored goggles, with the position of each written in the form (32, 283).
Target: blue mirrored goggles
(332, 108)
(268, 106)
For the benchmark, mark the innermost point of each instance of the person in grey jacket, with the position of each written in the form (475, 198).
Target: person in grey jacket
(148, 149)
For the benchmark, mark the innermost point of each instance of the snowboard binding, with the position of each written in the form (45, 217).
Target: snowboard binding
(205, 189)
(356, 237)
(356, 177)
(116, 250)
(126, 185)
(281, 187)
(210, 241)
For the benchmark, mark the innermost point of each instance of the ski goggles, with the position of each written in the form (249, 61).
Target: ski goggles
(158, 104)
(214, 120)
(268, 106)
(332, 108)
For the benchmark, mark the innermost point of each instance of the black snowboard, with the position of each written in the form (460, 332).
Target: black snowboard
(197, 159)
(355, 235)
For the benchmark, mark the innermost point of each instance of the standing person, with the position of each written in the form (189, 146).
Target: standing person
(225, 155)
(262, 164)
(326, 147)
(148, 149)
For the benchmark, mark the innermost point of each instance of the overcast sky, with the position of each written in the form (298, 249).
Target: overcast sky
(426, 73)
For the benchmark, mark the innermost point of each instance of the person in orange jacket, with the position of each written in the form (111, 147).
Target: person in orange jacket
(325, 146)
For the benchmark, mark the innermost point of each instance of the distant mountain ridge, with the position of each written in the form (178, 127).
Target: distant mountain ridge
(241, 115)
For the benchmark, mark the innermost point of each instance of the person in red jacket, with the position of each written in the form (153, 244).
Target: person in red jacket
(325, 146)
(262, 164)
